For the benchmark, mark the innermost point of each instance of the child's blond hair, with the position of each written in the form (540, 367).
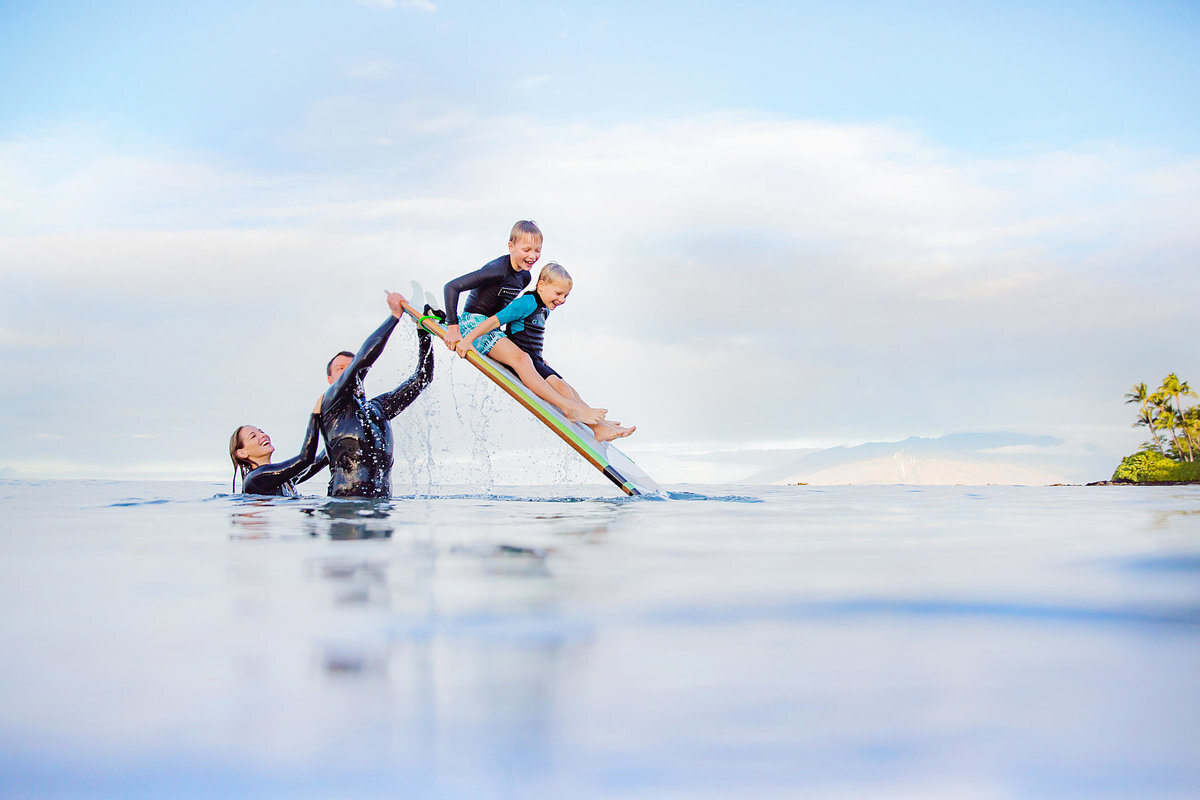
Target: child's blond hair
(524, 227)
(553, 271)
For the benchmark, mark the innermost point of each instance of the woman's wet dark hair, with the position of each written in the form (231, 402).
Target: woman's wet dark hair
(240, 465)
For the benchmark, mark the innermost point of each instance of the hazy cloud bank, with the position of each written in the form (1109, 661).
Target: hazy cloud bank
(739, 279)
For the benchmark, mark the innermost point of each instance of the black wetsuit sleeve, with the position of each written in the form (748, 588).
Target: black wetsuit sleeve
(321, 463)
(270, 478)
(342, 390)
(488, 273)
(390, 404)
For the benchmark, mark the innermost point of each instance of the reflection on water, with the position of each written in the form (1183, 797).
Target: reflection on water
(459, 611)
(1163, 520)
(352, 519)
(335, 518)
(253, 522)
(417, 633)
(789, 642)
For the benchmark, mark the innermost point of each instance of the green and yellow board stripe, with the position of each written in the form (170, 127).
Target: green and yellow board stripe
(519, 393)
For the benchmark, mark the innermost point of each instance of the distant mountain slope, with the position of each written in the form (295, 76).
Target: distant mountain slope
(960, 458)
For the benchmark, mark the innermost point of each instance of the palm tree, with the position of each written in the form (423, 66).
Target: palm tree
(1191, 425)
(1140, 394)
(1172, 387)
(1164, 420)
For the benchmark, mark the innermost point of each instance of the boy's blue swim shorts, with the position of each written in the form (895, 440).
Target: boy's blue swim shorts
(467, 323)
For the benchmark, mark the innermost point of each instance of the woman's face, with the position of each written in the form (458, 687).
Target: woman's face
(255, 445)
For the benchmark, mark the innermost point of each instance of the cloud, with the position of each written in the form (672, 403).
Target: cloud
(739, 279)
(375, 69)
(388, 5)
(24, 339)
(533, 83)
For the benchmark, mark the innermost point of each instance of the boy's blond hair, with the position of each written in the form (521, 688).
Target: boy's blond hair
(525, 227)
(553, 271)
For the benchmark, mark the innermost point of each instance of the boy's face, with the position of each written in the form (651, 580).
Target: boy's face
(525, 252)
(553, 292)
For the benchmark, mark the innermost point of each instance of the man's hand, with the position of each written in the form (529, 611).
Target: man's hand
(396, 303)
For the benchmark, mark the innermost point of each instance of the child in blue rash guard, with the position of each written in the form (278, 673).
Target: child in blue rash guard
(493, 287)
(526, 320)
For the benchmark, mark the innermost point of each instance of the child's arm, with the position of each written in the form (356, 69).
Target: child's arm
(465, 283)
(452, 337)
(520, 308)
(464, 344)
(489, 272)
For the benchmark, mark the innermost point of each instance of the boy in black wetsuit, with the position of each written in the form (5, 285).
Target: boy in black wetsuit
(494, 286)
(526, 320)
(358, 438)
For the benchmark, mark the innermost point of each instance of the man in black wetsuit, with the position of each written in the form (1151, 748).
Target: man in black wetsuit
(358, 438)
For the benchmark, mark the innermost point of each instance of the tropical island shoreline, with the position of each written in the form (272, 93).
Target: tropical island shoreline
(1169, 458)
(1127, 482)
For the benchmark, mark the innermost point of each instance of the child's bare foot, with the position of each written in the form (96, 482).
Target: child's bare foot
(581, 413)
(607, 431)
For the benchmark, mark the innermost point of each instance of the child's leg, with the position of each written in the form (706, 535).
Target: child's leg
(509, 354)
(563, 388)
(604, 431)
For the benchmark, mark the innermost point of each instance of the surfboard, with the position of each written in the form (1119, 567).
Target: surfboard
(604, 456)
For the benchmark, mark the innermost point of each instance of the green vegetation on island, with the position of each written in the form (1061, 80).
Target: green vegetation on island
(1150, 466)
(1171, 453)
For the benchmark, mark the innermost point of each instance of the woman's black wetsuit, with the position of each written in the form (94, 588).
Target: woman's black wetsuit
(493, 286)
(281, 479)
(358, 438)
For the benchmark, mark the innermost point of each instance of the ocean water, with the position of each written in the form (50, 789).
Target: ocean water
(166, 640)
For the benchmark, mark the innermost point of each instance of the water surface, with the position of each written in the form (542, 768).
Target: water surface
(167, 640)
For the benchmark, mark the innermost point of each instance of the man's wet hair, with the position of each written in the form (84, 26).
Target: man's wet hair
(329, 366)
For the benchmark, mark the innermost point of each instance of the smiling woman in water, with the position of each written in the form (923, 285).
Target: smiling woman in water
(250, 450)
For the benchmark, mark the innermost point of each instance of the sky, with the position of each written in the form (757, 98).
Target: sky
(791, 225)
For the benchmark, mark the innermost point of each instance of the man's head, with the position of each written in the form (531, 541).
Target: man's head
(554, 284)
(337, 365)
(524, 245)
